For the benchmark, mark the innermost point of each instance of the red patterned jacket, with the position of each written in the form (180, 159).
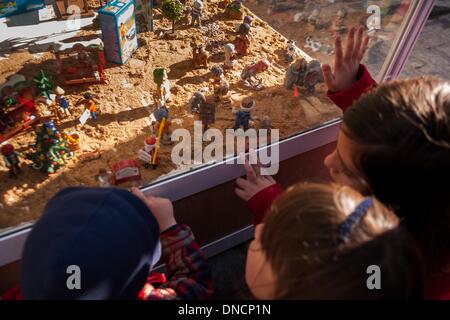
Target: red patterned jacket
(436, 288)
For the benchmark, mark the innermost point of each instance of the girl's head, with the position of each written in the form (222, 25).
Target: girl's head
(395, 144)
(297, 252)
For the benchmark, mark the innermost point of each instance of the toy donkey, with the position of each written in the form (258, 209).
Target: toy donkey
(200, 56)
(303, 74)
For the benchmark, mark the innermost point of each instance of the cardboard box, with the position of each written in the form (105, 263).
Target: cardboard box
(118, 27)
(9, 8)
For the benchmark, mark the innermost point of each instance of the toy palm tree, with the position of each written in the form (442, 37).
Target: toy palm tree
(44, 84)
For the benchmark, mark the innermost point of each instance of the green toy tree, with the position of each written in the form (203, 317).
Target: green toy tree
(172, 10)
(44, 84)
(50, 150)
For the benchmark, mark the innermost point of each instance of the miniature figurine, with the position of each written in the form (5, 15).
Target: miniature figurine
(12, 161)
(242, 42)
(249, 74)
(161, 115)
(303, 74)
(200, 56)
(248, 20)
(195, 102)
(243, 115)
(207, 113)
(197, 12)
(234, 10)
(62, 101)
(163, 85)
(230, 55)
(266, 123)
(292, 51)
(244, 28)
(91, 105)
(217, 74)
(104, 178)
(82, 54)
(222, 94)
(339, 21)
(313, 19)
(318, 46)
(148, 155)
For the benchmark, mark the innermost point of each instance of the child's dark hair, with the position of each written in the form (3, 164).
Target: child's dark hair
(403, 132)
(300, 241)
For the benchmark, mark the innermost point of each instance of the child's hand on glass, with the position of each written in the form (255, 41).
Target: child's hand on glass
(346, 63)
(161, 208)
(254, 182)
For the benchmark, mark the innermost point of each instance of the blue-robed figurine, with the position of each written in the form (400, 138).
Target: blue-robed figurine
(243, 115)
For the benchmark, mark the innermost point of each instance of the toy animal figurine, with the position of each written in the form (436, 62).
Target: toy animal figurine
(243, 115)
(148, 154)
(303, 74)
(292, 51)
(197, 12)
(104, 178)
(230, 56)
(317, 46)
(162, 85)
(207, 113)
(12, 161)
(62, 101)
(242, 42)
(313, 19)
(249, 74)
(338, 24)
(200, 56)
(195, 102)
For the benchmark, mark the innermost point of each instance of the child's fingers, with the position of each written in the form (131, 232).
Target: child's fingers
(350, 44)
(338, 55)
(270, 179)
(242, 183)
(328, 75)
(358, 42)
(241, 193)
(364, 47)
(254, 162)
(249, 172)
(138, 193)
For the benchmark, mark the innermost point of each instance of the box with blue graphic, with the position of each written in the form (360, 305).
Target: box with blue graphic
(9, 8)
(118, 27)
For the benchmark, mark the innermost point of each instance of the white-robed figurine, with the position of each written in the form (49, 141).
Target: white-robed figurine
(230, 55)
